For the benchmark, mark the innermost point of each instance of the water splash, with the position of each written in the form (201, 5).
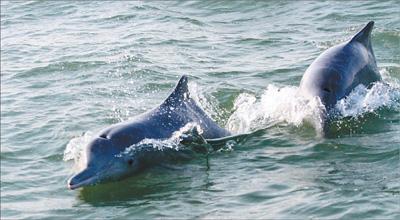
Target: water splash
(286, 105)
(368, 100)
(363, 100)
(190, 133)
(277, 105)
(75, 150)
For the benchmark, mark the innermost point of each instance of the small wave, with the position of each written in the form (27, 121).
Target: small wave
(121, 17)
(187, 20)
(256, 41)
(143, 7)
(60, 66)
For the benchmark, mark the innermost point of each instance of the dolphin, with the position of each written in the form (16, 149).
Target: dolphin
(341, 68)
(105, 160)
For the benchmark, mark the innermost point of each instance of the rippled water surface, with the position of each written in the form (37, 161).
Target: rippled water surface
(69, 69)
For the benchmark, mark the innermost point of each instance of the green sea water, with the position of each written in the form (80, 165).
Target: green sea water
(71, 68)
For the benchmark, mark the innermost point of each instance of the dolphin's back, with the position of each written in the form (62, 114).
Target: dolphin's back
(180, 109)
(174, 113)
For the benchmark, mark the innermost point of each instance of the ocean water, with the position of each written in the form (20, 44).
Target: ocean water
(69, 69)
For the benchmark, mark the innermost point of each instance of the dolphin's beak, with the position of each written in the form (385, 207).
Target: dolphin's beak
(84, 178)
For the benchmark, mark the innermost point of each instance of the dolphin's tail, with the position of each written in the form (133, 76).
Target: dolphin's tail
(364, 36)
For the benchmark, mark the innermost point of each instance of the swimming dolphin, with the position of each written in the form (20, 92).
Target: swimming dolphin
(104, 159)
(338, 70)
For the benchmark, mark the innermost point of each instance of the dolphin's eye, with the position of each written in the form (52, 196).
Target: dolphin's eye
(327, 90)
(130, 161)
(103, 136)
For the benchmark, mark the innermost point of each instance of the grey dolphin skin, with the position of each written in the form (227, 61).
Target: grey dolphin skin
(104, 159)
(338, 70)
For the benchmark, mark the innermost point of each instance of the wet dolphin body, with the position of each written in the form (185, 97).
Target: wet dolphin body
(104, 159)
(338, 70)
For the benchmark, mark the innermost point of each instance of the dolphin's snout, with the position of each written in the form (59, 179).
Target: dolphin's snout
(84, 178)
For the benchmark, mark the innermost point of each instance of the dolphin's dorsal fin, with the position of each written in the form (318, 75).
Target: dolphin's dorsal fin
(180, 93)
(364, 35)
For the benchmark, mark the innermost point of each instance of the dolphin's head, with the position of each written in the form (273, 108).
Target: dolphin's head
(325, 83)
(104, 162)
